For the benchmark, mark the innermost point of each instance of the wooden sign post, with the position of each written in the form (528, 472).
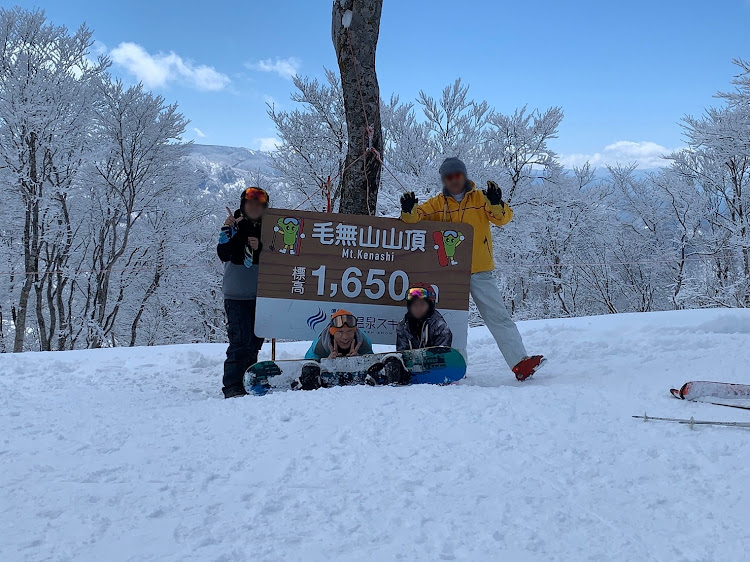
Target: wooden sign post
(315, 263)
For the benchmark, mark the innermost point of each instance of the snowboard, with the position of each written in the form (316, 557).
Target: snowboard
(433, 365)
(718, 393)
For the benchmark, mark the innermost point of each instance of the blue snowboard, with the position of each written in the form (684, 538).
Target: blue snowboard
(433, 365)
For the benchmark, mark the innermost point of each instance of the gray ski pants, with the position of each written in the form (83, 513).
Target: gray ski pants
(490, 304)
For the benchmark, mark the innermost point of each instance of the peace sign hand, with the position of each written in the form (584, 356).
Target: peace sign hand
(354, 350)
(231, 221)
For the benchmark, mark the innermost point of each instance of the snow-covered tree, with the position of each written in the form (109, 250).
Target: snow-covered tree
(47, 89)
(717, 163)
(90, 171)
(455, 122)
(516, 147)
(132, 181)
(313, 141)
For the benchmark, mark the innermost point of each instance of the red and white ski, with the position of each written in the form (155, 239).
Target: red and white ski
(718, 393)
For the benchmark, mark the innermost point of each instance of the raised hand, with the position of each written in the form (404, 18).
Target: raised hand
(231, 221)
(408, 202)
(493, 193)
(354, 350)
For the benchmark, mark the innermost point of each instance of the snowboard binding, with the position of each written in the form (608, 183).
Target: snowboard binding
(391, 371)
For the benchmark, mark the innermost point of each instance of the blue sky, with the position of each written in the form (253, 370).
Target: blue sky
(624, 72)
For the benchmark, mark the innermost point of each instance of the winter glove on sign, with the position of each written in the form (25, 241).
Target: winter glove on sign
(408, 202)
(494, 194)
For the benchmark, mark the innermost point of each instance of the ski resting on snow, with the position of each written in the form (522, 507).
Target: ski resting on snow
(729, 395)
(697, 390)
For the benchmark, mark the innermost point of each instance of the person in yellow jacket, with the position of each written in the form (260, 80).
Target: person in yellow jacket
(461, 202)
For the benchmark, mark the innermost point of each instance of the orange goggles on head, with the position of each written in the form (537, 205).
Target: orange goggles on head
(344, 320)
(255, 194)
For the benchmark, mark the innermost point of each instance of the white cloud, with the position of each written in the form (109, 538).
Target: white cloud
(162, 68)
(270, 100)
(267, 144)
(286, 68)
(200, 134)
(646, 154)
(98, 48)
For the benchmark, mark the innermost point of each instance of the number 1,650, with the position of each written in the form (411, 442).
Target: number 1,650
(374, 284)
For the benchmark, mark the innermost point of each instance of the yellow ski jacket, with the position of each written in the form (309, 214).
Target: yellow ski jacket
(474, 209)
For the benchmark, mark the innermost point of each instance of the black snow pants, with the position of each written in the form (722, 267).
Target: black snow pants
(244, 345)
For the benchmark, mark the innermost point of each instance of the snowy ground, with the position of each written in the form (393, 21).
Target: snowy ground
(131, 454)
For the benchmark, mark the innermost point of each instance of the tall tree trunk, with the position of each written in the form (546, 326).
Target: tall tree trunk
(21, 310)
(2, 332)
(153, 287)
(355, 30)
(32, 194)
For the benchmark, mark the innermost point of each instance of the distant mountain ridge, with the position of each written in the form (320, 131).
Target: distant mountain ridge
(223, 167)
(230, 167)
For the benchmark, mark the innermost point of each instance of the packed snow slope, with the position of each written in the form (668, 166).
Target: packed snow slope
(131, 454)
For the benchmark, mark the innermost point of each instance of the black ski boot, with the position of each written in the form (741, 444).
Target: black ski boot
(234, 391)
(309, 379)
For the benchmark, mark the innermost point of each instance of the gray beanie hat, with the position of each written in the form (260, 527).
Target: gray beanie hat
(453, 166)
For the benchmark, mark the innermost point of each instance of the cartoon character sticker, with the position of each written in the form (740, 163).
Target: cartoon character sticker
(446, 242)
(291, 233)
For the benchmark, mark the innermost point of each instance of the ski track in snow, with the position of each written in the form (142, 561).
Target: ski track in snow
(131, 454)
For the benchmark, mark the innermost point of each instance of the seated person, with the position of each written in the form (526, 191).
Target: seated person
(422, 326)
(340, 338)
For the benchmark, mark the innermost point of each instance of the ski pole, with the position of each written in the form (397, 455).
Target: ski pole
(692, 422)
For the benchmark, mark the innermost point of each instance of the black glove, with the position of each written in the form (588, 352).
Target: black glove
(493, 193)
(408, 202)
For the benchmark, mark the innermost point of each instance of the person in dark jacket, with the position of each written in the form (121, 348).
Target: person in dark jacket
(422, 325)
(239, 249)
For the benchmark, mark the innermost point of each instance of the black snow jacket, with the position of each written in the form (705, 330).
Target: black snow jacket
(417, 334)
(233, 241)
(240, 261)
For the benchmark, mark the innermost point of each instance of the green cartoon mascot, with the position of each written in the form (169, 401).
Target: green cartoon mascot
(452, 240)
(289, 228)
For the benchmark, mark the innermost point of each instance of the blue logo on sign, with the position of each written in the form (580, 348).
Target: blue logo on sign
(317, 318)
